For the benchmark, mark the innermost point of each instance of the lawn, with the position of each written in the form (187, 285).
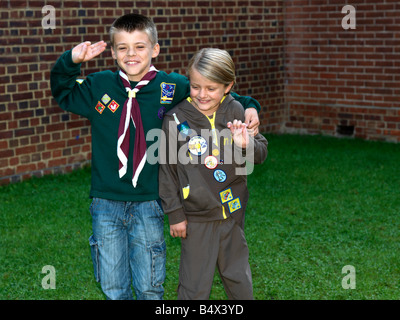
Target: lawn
(317, 204)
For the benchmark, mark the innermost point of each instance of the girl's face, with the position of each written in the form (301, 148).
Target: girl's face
(206, 94)
(133, 52)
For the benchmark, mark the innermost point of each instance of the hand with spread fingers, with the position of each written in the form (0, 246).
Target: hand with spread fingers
(86, 51)
(240, 134)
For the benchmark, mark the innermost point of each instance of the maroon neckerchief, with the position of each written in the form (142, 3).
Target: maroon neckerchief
(131, 110)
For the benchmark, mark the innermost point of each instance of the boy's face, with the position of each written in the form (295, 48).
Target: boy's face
(133, 52)
(206, 94)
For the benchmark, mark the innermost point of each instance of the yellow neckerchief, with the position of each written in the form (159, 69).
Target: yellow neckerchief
(212, 121)
(215, 138)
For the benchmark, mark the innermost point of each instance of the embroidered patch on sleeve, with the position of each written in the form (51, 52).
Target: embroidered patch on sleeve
(105, 99)
(100, 107)
(234, 205)
(161, 112)
(226, 195)
(113, 106)
(167, 92)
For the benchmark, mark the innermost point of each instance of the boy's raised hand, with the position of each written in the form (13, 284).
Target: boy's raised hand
(86, 51)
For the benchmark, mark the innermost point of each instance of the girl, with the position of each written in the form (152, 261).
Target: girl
(203, 192)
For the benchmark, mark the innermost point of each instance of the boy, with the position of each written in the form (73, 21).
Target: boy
(127, 242)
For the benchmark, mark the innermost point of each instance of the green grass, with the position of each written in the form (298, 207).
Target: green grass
(316, 205)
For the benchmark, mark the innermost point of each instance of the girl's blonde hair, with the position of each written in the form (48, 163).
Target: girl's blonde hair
(214, 64)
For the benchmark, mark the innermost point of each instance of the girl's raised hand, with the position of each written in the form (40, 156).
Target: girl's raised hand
(239, 132)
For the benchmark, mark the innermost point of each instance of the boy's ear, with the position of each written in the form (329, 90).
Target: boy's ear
(113, 53)
(156, 51)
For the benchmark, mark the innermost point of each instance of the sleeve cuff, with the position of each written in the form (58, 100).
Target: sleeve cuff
(176, 216)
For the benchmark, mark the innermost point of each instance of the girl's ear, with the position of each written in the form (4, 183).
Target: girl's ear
(229, 88)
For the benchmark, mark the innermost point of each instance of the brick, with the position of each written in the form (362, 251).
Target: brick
(23, 114)
(56, 145)
(26, 168)
(25, 150)
(24, 132)
(57, 162)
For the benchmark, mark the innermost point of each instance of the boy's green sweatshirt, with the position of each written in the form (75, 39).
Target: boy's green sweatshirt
(100, 98)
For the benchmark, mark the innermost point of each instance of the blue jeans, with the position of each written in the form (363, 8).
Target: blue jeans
(128, 247)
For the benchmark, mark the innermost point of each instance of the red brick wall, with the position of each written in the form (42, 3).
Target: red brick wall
(37, 137)
(337, 77)
(309, 74)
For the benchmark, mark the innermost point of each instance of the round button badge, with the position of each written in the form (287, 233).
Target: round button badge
(197, 145)
(211, 162)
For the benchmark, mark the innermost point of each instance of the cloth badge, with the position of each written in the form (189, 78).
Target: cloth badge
(100, 107)
(161, 112)
(226, 195)
(113, 106)
(185, 191)
(167, 92)
(219, 175)
(197, 145)
(234, 205)
(184, 128)
(211, 162)
(105, 99)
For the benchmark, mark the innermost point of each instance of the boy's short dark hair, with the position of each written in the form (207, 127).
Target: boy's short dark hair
(131, 22)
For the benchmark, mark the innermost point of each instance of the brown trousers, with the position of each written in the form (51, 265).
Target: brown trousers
(211, 244)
